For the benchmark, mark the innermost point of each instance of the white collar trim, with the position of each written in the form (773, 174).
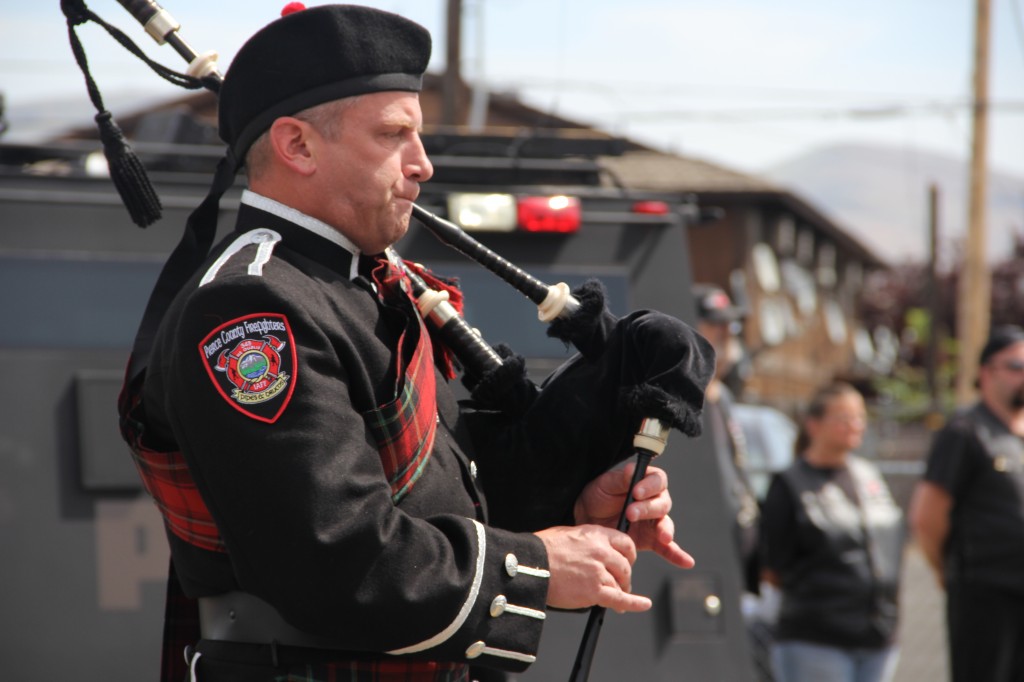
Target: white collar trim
(317, 227)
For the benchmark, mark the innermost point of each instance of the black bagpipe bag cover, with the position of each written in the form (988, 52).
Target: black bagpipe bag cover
(542, 444)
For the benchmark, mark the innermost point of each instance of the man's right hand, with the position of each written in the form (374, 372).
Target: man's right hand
(591, 565)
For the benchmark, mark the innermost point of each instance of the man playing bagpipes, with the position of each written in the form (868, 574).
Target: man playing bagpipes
(332, 512)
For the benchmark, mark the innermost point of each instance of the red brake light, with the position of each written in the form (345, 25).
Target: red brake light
(549, 214)
(650, 207)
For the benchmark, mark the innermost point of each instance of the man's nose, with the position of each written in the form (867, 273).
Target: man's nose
(419, 167)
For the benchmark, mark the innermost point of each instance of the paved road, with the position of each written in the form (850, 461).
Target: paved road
(923, 650)
(924, 654)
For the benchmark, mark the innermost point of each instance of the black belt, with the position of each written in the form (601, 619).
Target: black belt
(221, 660)
(243, 617)
(271, 655)
(241, 628)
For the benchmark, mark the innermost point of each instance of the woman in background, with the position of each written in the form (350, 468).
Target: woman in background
(832, 542)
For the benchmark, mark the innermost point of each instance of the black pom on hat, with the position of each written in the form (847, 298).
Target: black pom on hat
(313, 56)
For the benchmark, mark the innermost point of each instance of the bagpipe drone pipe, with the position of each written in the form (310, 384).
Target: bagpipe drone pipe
(632, 379)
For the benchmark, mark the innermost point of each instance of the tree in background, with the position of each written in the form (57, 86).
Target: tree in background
(899, 299)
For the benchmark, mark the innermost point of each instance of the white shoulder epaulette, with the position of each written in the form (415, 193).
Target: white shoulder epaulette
(265, 238)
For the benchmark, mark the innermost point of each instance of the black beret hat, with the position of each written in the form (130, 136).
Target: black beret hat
(313, 56)
(1000, 338)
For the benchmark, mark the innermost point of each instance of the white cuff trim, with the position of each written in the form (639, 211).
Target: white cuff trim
(467, 607)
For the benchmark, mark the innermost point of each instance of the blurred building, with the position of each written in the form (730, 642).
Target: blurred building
(797, 272)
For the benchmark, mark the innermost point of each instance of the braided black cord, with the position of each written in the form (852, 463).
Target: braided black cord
(126, 171)
(78, 13)
(182, 80)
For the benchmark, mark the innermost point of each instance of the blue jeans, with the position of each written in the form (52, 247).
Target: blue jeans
(795, 661)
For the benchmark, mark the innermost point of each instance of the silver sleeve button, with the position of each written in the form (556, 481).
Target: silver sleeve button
(513, 568)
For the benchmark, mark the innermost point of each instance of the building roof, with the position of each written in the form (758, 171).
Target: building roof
(648, 169)
(652, 170)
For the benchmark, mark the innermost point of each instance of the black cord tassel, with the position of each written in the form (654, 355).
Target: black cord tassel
(128, 174)
(126, 170)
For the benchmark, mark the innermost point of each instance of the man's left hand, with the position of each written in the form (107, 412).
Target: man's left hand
(650, 525)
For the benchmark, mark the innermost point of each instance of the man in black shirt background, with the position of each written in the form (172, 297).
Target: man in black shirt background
(967, 514)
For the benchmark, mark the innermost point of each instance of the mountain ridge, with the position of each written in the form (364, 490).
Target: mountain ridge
(879, 194)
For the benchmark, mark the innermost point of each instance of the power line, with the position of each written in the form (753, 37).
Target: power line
(879, 112)
(669, 90)
(851, 105)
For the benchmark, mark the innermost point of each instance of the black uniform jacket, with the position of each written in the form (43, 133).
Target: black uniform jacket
(293, 477)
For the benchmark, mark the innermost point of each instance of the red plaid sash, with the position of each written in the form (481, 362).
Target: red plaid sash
(444, 358)
(167, 480)
(404, 428)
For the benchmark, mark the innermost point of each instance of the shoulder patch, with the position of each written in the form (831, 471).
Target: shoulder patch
(251, 361)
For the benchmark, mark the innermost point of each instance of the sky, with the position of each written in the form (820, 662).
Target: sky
(746, 84)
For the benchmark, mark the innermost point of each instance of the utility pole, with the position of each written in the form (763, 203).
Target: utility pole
(451, 84)
(975, 291)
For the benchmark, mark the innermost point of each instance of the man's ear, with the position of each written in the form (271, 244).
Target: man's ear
(291, 141)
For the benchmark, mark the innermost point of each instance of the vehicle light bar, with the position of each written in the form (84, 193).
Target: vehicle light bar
(483, 212)
(477, 212)
(550, 214)
(650, 207)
